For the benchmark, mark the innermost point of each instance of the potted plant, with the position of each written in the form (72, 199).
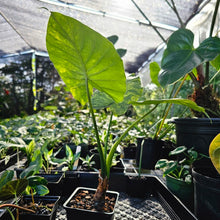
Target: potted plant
(36, 207)
(87, 61)
(92, 63)
(178, 173)
(182, 61)
(206, 179)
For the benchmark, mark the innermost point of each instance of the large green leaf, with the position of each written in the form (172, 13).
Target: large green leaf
(82, 55)
(180, 57)
(13, 188)
(185, 102)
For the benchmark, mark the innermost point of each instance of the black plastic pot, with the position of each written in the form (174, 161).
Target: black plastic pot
(196, 132)
(54, 183)
(43, 199)
(183, 190)
(136, 186)
(206, 193)
(151, 152)
(83, 214)
(70, 182)
(130, 151)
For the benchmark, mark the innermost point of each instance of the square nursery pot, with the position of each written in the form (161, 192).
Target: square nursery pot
(85, 214)
(44, 214)
(54, 183)
(151, 152)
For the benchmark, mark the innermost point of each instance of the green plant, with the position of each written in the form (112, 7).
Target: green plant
(180, 59)
(179, 169)
(87, 61)
(13, 188)
(69, 160)
(88, 162)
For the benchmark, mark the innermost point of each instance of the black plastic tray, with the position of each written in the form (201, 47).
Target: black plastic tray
(158, 202)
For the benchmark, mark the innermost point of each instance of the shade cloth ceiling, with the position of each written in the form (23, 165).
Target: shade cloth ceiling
(23, 23)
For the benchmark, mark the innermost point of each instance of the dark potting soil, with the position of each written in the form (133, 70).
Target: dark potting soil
(40, 207)
(84, 200)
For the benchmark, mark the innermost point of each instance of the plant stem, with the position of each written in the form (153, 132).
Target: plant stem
(113, 149)
(10, 212)
(107, 135)
(99, 147)
(140, 160)
(16, 206)
(169, 107)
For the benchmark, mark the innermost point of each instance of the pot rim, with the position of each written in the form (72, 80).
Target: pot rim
(65, 205)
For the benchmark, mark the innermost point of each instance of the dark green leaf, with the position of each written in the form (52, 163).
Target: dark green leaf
(178, 150)
(162, 163)
(180, 57)
(121, 52)
(172, 165)
(13, 188)
(41, 190)
(113, 38)
(36, 180)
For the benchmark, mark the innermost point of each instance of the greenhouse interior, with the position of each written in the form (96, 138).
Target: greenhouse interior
(109, 109)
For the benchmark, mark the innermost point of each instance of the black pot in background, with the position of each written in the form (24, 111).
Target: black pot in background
(196, 132)
(138, 186)
(206, 192)
(70, 183)
(130, 151)
(83, 214)
(151, 152)
(54, 183)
